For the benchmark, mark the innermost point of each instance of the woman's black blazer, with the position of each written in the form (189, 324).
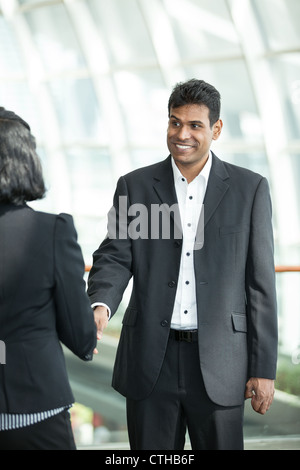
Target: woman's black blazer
(43, 303)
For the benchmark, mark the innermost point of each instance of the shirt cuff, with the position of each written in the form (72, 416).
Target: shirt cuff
(101, 304)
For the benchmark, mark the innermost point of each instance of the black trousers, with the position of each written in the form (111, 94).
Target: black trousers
(179, 402)
(52, 434)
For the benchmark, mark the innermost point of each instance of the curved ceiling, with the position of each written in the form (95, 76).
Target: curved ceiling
(93, 78)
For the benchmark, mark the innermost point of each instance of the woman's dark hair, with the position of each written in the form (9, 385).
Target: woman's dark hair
(21, 176)
(197, 92)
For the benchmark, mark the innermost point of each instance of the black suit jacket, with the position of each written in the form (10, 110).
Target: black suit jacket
(42, 303)
(235, 283)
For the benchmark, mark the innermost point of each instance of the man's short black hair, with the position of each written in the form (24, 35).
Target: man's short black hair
(197, 92)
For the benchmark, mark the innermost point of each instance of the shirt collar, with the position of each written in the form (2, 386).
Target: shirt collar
(205, 172)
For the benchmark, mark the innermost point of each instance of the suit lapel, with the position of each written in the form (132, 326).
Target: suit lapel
(164, 187)
(216, 188)
(164, 183)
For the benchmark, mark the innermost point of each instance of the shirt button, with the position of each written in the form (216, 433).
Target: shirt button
(185, 312)
(189, 225)
(187, 282)
(191, 197)
(188, 254)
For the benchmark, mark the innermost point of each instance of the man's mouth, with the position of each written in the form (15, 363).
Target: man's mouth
(183, 147)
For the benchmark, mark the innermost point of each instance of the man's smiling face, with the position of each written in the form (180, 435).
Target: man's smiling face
(190, 134)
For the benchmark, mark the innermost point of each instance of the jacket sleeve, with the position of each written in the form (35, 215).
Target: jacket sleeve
(260, 288)
(74, 316)
(112, 261)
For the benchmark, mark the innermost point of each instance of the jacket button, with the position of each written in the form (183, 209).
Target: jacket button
(172, 284)
(164, 323)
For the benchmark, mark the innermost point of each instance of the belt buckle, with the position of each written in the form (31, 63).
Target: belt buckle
(185, 336)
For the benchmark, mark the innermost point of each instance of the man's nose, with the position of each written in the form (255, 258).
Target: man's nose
(184, 133)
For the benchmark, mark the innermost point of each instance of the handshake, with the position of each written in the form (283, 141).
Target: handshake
(101, 316)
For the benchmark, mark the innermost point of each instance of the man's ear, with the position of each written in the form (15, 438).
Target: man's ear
(217, 129)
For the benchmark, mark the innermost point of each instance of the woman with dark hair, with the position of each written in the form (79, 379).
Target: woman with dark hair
(21, 176)
(43, 302)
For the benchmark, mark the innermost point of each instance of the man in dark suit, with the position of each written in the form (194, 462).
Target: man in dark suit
(200, 332)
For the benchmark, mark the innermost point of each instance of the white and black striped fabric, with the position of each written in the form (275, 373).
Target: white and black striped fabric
(16, 421)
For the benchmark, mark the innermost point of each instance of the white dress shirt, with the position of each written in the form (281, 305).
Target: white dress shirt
(190, 200)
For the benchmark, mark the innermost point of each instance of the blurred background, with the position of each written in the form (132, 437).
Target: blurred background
(93, 78)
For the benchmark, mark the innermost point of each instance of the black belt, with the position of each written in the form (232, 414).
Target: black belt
(190, 336)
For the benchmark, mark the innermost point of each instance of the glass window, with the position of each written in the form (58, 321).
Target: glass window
(11, 62)
(124, 31)
(279, 22)
(254, 161)
(144, 102)
(91, 184)
(26, 2)
(202, 29)
(91, 180)
(286, 73)
(91, 230)
(17, 97)
(78, 111)
(147, 156)
(295, 159)
(55, 39)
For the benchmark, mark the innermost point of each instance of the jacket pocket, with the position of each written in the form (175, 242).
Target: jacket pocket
(239, 322)
(130, 316)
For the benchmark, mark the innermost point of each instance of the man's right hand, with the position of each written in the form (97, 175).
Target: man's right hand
(101, 319)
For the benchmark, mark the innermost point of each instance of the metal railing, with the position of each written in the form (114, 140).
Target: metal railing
(287, 269)
(278, 269)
